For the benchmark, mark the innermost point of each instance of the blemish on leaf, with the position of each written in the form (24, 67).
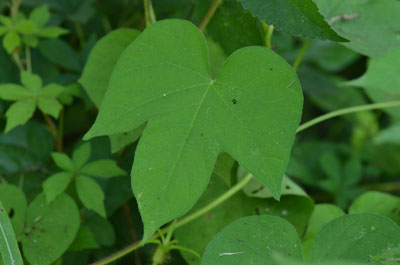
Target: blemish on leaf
(230, 253)
(208, 216)
(373, 228)
(234, 101)
(11, 213)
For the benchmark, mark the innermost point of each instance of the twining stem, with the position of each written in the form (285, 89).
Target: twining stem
(210, 14)
(268, 31)
(149, 14)
(216, 202)
(345, 111)
(300, 56)
(185, 220)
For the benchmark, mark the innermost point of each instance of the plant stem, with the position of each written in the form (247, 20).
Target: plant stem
(268, 31)
(28, 59)
(60, 132)
(185, 220)
(14, 9)
(300, 56)
(17, 59)
(210, 14)
(216, 202)
(132, 231)
(79, 32)
(345, 111)
(149, 14)
(51, 125)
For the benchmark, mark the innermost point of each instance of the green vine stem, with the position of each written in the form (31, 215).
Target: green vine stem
(149, 14)
(301, 54)
(185, 220)
(268, 31)
(210, 14)
(345, 111)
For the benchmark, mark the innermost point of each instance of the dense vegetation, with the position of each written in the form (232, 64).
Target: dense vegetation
(199, 132)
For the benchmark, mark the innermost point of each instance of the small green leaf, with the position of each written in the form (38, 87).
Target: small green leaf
(104, 168)
(26, 27)
(371, 26)
(50, 229)
(30, 40)
(3, 30)
(60, 52)
(11, 41)
(103, 57)
(31, 81)
(301, 18)
(40, 15)
(323, 214)
(355, 237)
(50, 106)
(81, 155)
(253, 239)
(13, 92)
(63, 161)
(6, 21)
(166, 82)
(390, 135)
(14, 200)
(56, 185)
(19, 113)
(90, 194)
(9, 250)
(84, 240)
(382, 81)
(102, 230)
(52, 32)
(379, 203)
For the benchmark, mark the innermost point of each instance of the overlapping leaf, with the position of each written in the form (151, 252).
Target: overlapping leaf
(301, 18)
(250, 111)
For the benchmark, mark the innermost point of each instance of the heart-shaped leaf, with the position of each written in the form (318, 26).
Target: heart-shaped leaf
(251, 111)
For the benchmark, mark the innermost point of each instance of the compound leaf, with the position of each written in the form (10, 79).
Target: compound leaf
(251, 111)
(19, 113)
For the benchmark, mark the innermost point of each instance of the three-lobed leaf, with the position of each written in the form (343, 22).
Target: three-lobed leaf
(251, 111)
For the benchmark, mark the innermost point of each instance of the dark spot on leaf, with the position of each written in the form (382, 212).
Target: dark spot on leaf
(287, 187)
(234, 101)
(257, 211)
(11, 213)
(208, 216)
(270, 68)
(201, 134)
(1, 210)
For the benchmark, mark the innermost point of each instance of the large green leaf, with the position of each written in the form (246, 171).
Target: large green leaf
(9, 251)
(50, 229)
(301, 18)
(372, 26)
(355, 237)
(382, 80)
(251, 111)
(14, 203)
(379, 203)
(253, 240)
